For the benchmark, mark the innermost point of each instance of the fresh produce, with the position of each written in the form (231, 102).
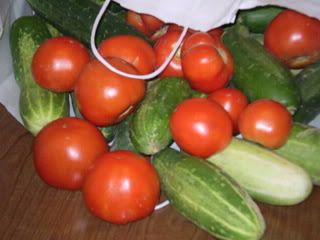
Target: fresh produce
(208, 197)
(57, 63)
(294, 38)
(308, 81)
(200, 127)
(303, 149)
(149, 128)
(257, 73)
(64, 150)
(266, 122)
(121, 187)
(267, 176)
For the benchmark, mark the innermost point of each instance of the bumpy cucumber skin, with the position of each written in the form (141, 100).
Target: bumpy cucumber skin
(208, 197)
(308, 82)
(267, 177)
(149, 128)
(303, 149)
(257, 73)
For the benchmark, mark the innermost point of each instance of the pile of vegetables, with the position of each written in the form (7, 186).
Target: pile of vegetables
(236, 101)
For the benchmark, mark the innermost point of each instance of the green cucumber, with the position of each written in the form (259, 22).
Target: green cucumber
(208, 197)
(149, 129)
(267, 176)
(308, 81)
(303, 149)
(257, 73)
(76, 18)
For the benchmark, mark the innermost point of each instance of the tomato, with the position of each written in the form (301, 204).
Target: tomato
(64, 150)
(121, 187)
(206, 62)
(293, 38)
(104, 97)
(58, 62)
(145, 23)
(131, 49)
(266, 122)
(200, 127)
(216, 32)
(233, 101)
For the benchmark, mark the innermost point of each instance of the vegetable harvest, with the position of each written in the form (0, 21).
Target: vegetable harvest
(214, 178)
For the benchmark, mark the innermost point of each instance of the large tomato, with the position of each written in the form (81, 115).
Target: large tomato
(64, 150)
(294, 38)
(206, 62)
(131, 49)
(58, 62)
(200, 127)
(266, 122)
(104, 97)
(121, 187)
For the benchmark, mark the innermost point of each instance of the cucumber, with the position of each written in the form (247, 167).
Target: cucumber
(208, 197)
(257, 73)
(308, 81)
(303, 149)
(267, 176)
(149, 129)
(258, 18)
(76, 17)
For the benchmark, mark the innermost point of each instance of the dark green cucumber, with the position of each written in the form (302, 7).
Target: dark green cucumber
(257, 73)
(208, 197)
(308, 81)
(149, 129)
(303, 149)
(76, 17)
(258, 18)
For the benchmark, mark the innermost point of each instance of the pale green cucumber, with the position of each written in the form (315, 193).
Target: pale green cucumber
(267, 176)
(208, 197)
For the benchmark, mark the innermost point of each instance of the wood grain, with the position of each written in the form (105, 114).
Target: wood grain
(31, 210)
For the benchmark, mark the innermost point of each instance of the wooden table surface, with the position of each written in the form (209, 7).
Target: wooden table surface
(30, 209)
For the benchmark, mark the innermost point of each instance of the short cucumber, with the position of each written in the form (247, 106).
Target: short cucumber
(303, 148)
(208, 197)
(257, 73)
(267, 176)
(149, 129)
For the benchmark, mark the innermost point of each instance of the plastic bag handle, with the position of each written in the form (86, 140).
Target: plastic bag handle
(110, 67)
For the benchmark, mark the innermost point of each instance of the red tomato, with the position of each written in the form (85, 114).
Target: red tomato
(104, 97)
(64, 150)
(216, 32)
(200, 127)
(206, 63)
(233, 101)
(58, 62)
(121, 187)
(145, 23)
(266, 122)
(293, 38)
(131, 49)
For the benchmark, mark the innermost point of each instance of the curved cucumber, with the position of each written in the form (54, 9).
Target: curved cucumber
(208, 197)
(267, 176)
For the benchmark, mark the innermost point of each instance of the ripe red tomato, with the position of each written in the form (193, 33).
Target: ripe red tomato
(121, 187)
(64, 150)
(104, 97)
(200, 127)
(233, 101)
(58, 62)
(145, 23)
(266, 122)
(206, 63)
(131, 49)
(294, 38)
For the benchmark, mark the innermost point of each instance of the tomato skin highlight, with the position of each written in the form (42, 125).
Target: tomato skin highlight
(64, 150)
(121, 187)
(200, 127)
(266, 122)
